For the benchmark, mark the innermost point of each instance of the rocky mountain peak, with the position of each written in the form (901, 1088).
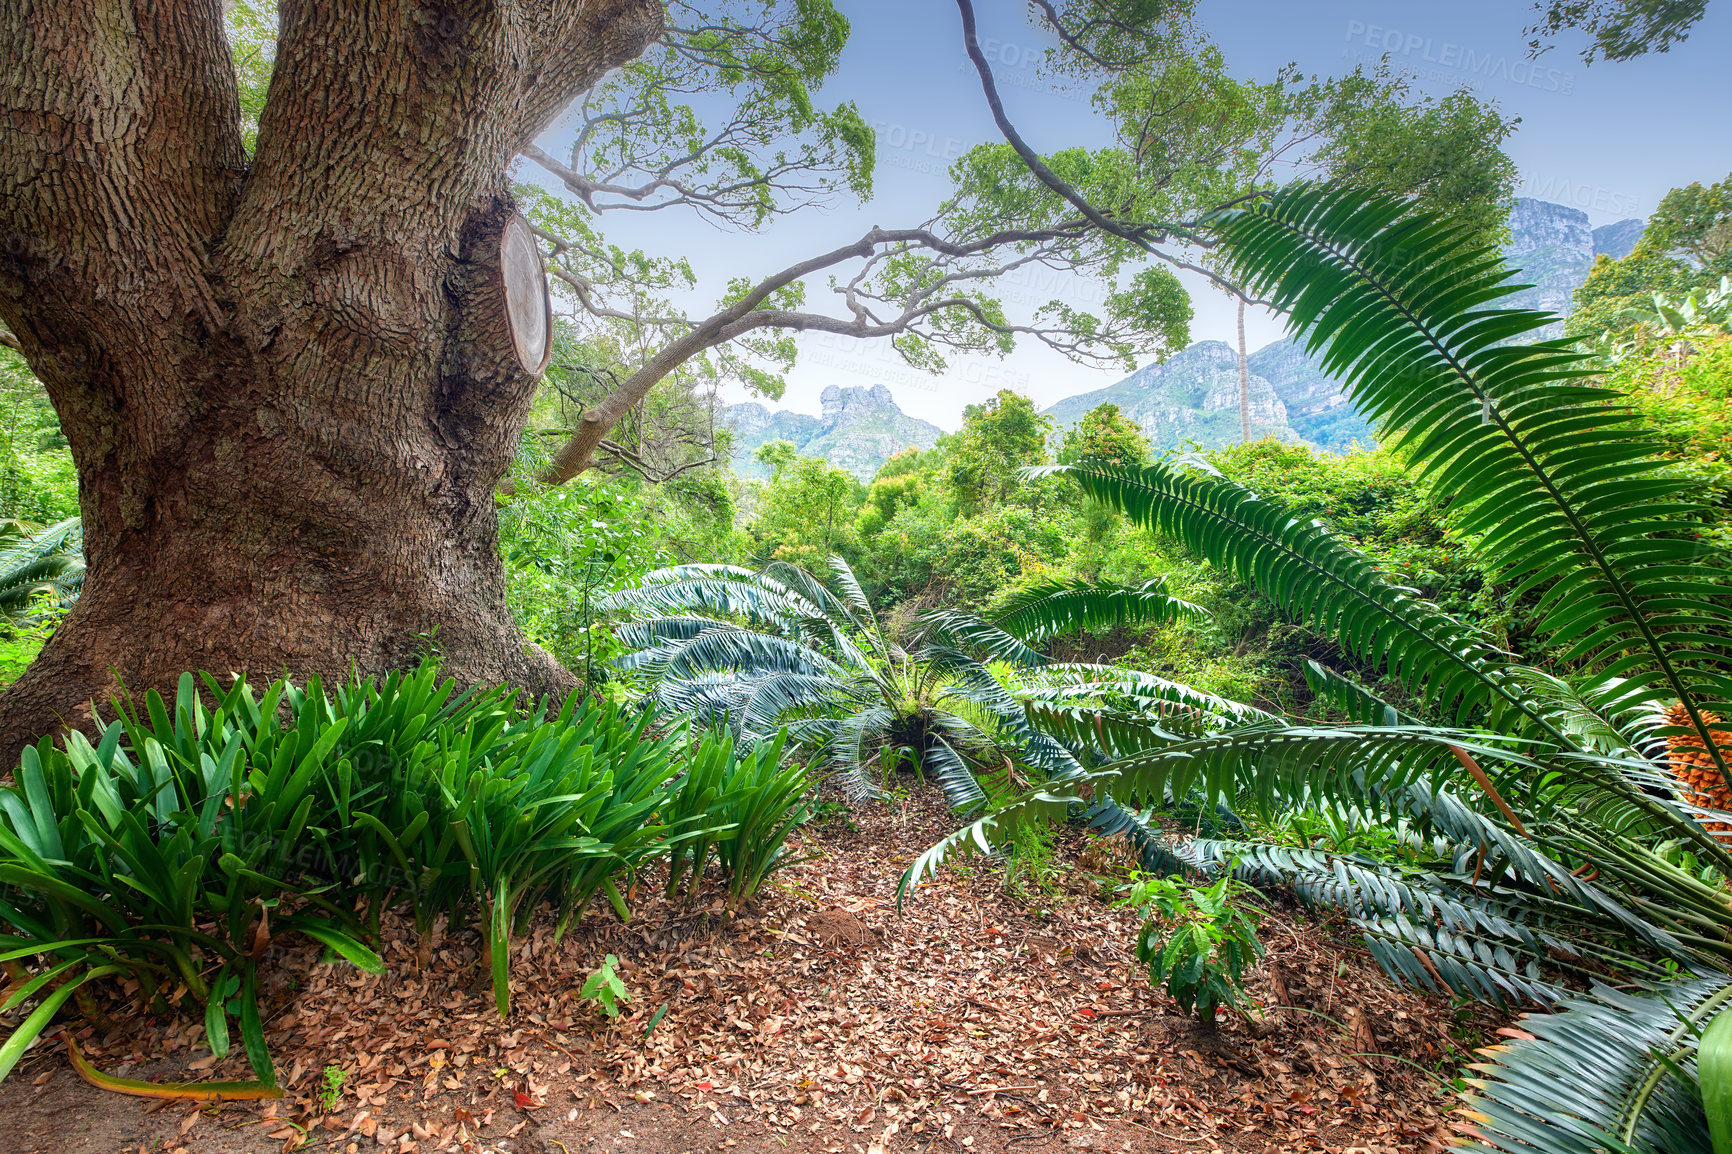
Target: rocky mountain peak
(860, 427)
(1618, 240)
(1193, 395)
(838, 401)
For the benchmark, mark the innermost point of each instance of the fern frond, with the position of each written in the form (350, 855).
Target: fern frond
(1565, 491)
(1108, 687)
(728, 647)
(1322, 581)
(1068, 604)
(951, 771)
(1574, 1085)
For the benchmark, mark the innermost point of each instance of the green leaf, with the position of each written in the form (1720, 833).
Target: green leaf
(253, 1030)
(345, 946)
(32, 1026)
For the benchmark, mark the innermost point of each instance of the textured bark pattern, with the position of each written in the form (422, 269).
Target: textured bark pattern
(288, 385)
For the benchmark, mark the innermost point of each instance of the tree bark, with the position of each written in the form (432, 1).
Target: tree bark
(289, 386)
(1244, 380)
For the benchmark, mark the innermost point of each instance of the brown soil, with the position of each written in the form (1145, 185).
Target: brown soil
(838, 929)
(816, 1021)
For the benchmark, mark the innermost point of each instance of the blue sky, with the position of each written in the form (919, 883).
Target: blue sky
(1610, 139)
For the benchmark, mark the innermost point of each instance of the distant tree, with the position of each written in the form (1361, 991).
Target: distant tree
(1694, 225)
(900, 483)
(1686, 244)
(1106, 435)
(779, 455)
(1190, 137)
(252, 32)
(997, 439)
(1447, 154)
(806, 511)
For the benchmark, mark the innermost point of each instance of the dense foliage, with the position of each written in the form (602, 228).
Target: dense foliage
(1464, 689)
(172, 850)
(1686, 244)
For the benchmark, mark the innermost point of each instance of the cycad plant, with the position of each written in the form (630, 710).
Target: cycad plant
(763, 649)
(48, 562)
(1550, 854)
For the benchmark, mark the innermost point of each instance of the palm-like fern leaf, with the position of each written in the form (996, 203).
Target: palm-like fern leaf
(1602, 1074)
(954, 777)
(969, 632)
(1564, 490)
(726, 589)
(1107, 688)
(851, 739)
(840, 617)
(1351, 698)
(723, 647)
(782, 648)
(1314, 576)
(1435, 927)
(1067, 604)
(50, 561)
(1157, 852)
(772, 697)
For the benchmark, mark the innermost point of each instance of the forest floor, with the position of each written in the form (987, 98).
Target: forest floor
(818, 1020)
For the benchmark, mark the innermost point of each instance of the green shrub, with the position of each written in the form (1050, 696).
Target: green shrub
(1031, 870)
(604, 988)
(1196, 939)
(177, 858)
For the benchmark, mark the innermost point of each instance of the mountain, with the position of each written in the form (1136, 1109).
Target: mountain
(1316, 407)
(1553, 246)
(859, 430)
(1191, 396)
(1194, 395)
(1617, 240)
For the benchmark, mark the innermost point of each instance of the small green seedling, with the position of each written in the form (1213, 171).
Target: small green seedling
(605, 989)
(331, 1093)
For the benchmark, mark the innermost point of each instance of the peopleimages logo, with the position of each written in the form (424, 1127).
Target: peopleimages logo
(1587, 197)
(1458, 59)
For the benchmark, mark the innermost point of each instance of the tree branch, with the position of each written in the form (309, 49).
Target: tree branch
(644, 469)
(746, 315)
(119, 153)
(1144, 236)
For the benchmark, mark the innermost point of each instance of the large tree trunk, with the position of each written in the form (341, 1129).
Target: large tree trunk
(289, 386)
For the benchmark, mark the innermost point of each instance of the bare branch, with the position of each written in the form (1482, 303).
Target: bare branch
(1074, 40)
(1144, 236)
(747, 314)
(647, 471)
(925, 281)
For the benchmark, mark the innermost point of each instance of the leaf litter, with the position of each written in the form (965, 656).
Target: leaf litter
(817, 1019)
